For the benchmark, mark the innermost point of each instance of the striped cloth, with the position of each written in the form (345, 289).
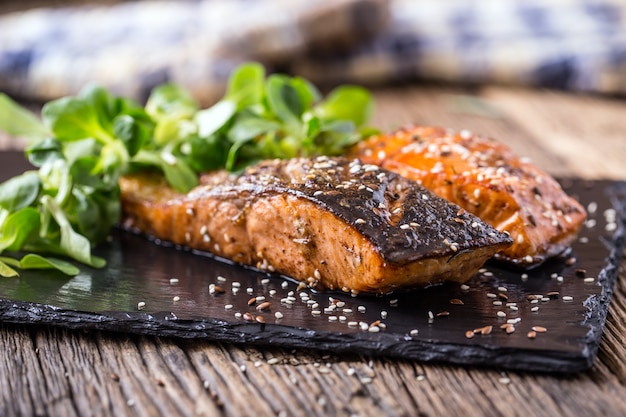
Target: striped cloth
(131, 47)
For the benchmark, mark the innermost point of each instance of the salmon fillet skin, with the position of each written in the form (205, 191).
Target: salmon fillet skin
(487, 179)
(332, 223)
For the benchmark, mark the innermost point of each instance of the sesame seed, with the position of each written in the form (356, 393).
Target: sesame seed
(568, 298)
(486, 330)
(383, 314)
(141, 305)
(228, 307)
(361, 309)
(469, 334)
(359, 221)
(531, 334)
(502, 289)
(176, 298)
(431, 315)
(465, 287)
(501, 314)
(264, 306)
(589, 279)
(414, 332)
(173, 280)
(405, 226)
(373, 329)
(353, 324)
(534, 309)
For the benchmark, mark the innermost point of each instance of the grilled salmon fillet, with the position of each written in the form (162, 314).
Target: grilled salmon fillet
(332, 223)
(487, 179)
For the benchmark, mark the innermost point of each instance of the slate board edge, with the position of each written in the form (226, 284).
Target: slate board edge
(379, 345)
(599, 306)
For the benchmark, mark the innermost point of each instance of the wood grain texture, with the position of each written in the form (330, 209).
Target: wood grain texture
(49, 371)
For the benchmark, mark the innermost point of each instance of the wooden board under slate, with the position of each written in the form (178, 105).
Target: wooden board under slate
(191, 295)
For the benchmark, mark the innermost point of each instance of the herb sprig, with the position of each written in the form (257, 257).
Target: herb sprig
(81, 146)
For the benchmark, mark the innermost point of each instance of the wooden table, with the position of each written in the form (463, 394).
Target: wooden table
(50, 371)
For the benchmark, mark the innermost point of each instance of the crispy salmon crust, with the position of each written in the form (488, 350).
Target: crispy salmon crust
(331, 223)
(487, 179)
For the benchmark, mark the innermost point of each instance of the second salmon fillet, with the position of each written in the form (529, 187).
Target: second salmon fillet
(335, 224)
(487, 179)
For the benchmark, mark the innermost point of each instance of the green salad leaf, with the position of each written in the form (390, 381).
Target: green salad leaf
(82, 145)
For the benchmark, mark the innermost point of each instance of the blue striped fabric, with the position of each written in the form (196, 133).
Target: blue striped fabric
(130, 47)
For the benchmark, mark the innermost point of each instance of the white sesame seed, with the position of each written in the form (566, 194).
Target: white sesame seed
(173, 280)
(228, 307)
(534, 309)
(361, 309)
(176, 298)
(497, 303)
(414, 332)
(374, 329)
(141, 305)
(383, 314)
(567, 298)
(502, 289)
(465, 287)
(589, 279)
(501, 314)
(353, 324)
(278, 315)
(431, 315)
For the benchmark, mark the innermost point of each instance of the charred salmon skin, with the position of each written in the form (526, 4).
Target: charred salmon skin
(334, 224)
(487, 179)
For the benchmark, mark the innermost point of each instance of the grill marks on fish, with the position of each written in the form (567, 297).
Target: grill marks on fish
(487, 179)
(330, 222)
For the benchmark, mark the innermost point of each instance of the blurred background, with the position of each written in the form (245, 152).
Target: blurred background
(53, 48)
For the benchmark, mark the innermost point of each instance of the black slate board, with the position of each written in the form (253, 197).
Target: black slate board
(140, 271)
